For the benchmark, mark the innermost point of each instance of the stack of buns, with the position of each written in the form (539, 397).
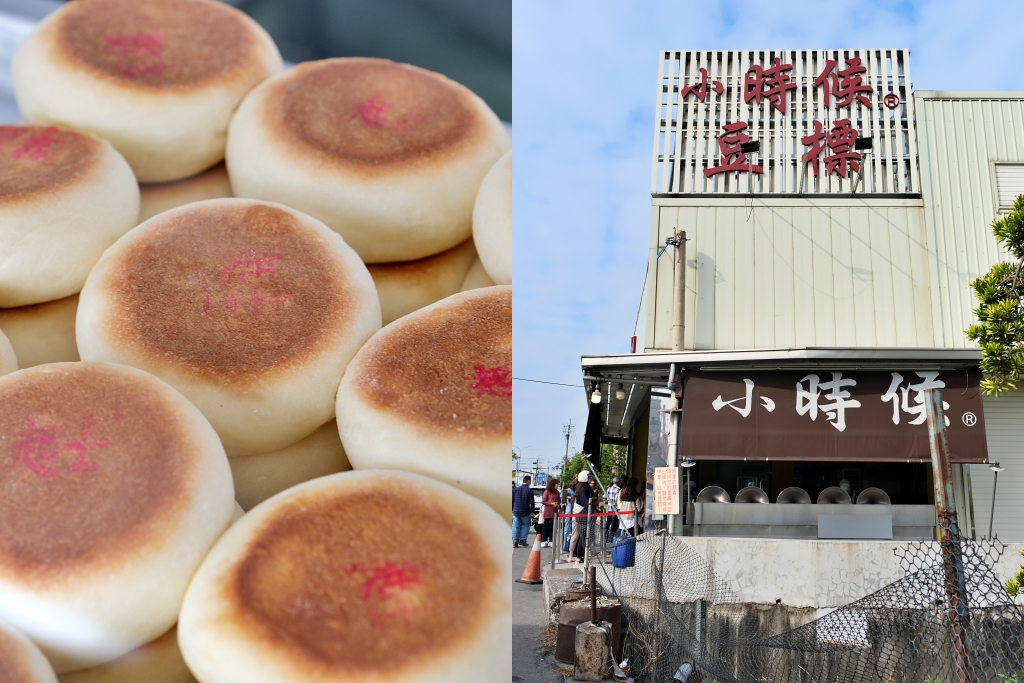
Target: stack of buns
(226, 287)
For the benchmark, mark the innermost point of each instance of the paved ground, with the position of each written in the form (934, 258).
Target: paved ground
(531, 662)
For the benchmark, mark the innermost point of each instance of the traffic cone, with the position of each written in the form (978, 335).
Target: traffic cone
(531, 574)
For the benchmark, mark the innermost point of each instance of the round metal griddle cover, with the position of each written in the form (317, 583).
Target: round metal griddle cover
(873, 496)
(793, 495)
(751, 494)
(713, 494)
(834, 495)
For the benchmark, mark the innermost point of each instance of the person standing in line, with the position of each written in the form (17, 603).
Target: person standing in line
(523, 509)
(549, 506)
(611, 500)
(638, 506)
(581, 501)
(568, 493)
(627, 507)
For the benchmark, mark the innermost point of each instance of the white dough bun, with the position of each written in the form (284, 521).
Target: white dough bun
(389, 155)
(158, 661)
(20, 660)
(158, 79)
(431, 393)
(406, 286)
(64, 198)
(42, 333)
(115, 489)
(492, 221)
(258, 477)
(8, 359)
(372, 576)
(251, 310)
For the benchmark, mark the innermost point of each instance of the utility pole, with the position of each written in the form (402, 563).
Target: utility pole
(565, 463)
(949, 539)
(679, 291)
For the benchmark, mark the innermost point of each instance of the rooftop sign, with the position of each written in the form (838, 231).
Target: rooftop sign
(806, 109)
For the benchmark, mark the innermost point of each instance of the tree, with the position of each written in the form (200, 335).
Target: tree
(1000, 293)
(575, 465)
(613, 463)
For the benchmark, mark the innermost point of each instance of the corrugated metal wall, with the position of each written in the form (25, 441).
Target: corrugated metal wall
(962, 136)
(793, 272)
(1004, 428)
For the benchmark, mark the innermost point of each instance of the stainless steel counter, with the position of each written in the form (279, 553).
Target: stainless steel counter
(753, 520)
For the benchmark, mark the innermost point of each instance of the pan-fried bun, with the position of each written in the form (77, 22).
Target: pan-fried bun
(492, 221)
(8, 360)
(64, 198)
(42, 333)
(406, 286)
(114, 489)
(156, 198)
(159, 79)
(431, 393)
(21, 661)
(476, 277)
(158, 661)
(389, 155)
(258, 477)
(359, 576)
(251, 310)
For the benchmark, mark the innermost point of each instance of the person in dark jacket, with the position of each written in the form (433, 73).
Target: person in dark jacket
(523, 508)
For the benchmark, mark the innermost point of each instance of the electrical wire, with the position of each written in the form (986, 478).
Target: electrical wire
(540, 381)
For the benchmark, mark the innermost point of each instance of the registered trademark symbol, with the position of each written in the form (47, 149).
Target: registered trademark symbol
(891, 100)
(970, 419)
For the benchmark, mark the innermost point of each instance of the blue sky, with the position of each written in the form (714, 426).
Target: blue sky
(583, 83)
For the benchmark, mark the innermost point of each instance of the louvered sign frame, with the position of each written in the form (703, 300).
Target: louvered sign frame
(686, 134)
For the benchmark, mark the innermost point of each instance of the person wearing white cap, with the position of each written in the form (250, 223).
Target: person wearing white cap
(581, 502)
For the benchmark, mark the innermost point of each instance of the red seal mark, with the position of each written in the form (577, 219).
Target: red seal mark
(37, 449)
(388, 589)
(496, 381)
(891, 100)
(236, 286)
(137, 54)
(34, 147)
(380, 115)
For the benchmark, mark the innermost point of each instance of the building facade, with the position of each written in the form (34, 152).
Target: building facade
(833, 221)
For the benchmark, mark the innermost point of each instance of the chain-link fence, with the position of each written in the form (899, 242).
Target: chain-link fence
(947, 620)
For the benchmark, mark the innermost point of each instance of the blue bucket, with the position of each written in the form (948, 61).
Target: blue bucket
(624, 553)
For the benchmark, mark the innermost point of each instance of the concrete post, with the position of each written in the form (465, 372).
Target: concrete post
(592, 660)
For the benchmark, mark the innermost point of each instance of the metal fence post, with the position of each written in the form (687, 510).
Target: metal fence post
(949, 539)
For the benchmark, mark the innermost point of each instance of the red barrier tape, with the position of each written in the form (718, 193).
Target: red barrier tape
(594, 514)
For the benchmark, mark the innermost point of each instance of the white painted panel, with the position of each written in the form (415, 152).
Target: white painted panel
(1004, 428)
(965, 138)
(807, 271)
(1009, 183)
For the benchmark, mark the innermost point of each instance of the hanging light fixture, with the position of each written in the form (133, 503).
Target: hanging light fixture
(595, 396)
(620, 393)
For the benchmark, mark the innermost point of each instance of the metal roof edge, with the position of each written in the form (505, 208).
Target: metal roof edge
(808, 353)
(970, 94)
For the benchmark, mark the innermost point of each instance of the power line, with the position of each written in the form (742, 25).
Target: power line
(540, 381)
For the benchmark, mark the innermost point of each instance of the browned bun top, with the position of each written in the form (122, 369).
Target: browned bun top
(447, 369)
(362, 578)
(367, 114)
(96, 460)
(39, 160)
(228, 290)
(156, 43)
(426, 271)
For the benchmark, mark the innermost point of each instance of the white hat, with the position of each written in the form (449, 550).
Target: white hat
(584, 476)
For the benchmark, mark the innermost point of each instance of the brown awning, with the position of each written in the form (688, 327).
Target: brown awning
(826, 415)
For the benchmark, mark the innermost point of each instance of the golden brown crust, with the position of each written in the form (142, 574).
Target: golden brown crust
(446, 368)
(370, 115)
(425, 270)
(13, 667)
(334, 580)
(94, 463)
(158, 43)
(41, 160)
(227, 291)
